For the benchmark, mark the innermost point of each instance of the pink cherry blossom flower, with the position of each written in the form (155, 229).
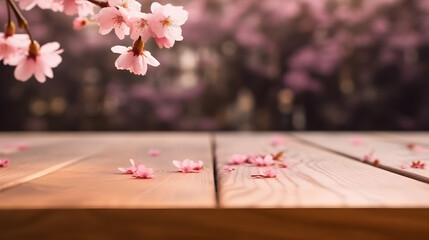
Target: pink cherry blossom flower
(154, 152)
(38, 63)
(80, 7)
(265, 173)
(4, 162)
(228, 168)
(418, 164)
(79, 23)
(129, 170)
(43, 4)
(12, 47)
(113, 18)
(164, 42)
(133, 61)
(128, 5)
(143, 172)
(165, 23)
(266, 161)
(278, 140)
(404, 166)
(237, 159)
(188, 166)
(139, 23)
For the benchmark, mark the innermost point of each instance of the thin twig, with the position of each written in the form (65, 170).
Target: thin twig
(22, 22)
(9, 20)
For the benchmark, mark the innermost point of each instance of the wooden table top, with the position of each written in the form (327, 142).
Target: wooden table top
(71, 181)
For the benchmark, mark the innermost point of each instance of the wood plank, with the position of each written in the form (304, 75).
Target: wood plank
(96, 182)
(10, 142)
(405, 138)
(391, 155)
(48, 153)
(317, 178)
(214, 224)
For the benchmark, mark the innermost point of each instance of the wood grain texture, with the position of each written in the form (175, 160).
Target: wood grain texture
(95, 182)
(214, 224)
(9, 142)
(391, 155)
(317, 179)
(47, 153)
(404, 138)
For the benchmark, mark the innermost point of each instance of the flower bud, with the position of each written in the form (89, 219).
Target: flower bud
(138, 47)
(34, 49)
(9, 29)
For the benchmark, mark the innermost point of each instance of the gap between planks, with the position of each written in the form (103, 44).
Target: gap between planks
(212, 137)
(398, 171)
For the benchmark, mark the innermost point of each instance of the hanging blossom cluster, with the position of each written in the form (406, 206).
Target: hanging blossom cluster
(124, 17)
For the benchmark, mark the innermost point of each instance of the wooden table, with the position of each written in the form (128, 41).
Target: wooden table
(67, 186)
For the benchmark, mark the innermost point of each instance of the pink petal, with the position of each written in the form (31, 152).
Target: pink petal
(39, 72)
(25, 69)
(154, 152)
(178, 164)
(125, 61)
(119, 49)
(4, 162)
(150, 59)
(154, 6)
(22, 146)
(139, 66)
(49, 47)
(228, 168)
(277, 140)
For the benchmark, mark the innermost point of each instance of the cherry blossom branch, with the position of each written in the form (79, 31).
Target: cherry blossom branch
(22, 22)
(99, 3)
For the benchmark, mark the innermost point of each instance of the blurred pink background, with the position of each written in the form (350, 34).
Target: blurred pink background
(243, 65)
